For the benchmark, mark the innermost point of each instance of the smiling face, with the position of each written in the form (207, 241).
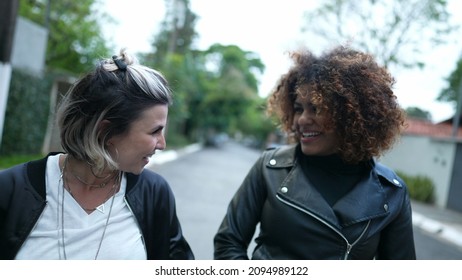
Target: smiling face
(133, 149)
(309, 125)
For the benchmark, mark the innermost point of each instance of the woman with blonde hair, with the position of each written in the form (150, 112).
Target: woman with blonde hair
(96, 200)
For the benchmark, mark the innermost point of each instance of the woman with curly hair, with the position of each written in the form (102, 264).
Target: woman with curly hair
(325, 196)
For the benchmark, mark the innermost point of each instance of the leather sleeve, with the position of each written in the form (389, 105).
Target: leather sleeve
(153, 204)
(232, 240)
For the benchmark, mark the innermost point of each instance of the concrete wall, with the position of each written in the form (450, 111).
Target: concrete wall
(29, 46)
(420, 155)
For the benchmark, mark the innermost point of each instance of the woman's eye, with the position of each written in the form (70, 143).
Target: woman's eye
(159, 130)
(298, 109)
(312, 108)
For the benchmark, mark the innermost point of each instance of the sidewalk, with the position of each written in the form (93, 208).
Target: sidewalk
(444, 223)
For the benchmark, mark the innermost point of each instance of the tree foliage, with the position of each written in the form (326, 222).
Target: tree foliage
(397, 32)
(235, 88)
(229, 58)
(418, 113)
(172, 54)
(26, 117)
(454, 85)
(75, 41)
(215, 90)
(177, 32)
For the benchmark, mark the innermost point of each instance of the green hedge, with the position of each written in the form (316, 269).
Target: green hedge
(26, 114)
(421, 187)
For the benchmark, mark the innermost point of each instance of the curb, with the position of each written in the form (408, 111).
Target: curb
(442, 230)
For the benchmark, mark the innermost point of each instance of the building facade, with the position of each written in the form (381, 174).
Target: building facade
(431, 150)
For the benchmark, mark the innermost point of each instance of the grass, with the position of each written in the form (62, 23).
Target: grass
(11, 160)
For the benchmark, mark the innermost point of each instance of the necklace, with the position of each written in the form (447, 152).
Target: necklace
(107, 179)
(96, 186)
(100, 208)
(62, 179)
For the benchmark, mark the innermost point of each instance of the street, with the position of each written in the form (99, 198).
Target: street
(204, 182)
(430, 248)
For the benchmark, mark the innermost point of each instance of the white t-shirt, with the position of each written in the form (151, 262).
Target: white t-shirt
(82, 231)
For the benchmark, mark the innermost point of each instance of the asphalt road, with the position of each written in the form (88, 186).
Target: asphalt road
(203, 183)
(430, 247)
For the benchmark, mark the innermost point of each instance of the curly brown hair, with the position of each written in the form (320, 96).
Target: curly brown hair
(352, 90)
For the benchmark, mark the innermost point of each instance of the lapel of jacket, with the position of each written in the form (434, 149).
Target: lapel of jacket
(365, 201)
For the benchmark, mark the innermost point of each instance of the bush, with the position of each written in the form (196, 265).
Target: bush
(421, 188)
(26, 116)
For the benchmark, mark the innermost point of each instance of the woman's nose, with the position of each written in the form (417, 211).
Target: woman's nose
(161, 142)
(306, 118)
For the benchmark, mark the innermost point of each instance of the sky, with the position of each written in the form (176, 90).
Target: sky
(271, 29)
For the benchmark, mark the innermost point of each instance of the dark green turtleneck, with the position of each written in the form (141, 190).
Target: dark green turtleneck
(331, 176)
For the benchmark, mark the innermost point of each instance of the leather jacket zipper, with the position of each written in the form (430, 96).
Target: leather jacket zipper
(348, 245)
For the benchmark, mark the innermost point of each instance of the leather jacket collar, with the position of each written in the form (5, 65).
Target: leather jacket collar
(353, 208)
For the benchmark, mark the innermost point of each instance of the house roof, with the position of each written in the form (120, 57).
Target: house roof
(422, 127)
(450, 120)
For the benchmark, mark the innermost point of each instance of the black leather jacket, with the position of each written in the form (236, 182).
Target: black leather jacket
(23, 198)
(373, 221)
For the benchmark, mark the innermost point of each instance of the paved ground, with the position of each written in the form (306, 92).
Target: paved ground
(444, 223)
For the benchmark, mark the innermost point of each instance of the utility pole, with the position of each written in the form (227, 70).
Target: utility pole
(8, 15)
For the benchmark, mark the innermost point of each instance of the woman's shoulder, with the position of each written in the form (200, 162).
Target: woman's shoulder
(149, 181)
(25, 175)
(12, 171)
(281, 155)
(388, 174)
(281, 150)
(147, 176)
(24, 168)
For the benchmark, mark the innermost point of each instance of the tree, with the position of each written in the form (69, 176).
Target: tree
(397, 32)
(232, 103)
(418, 113)
(75, 41)
(173, 54)
(177, 32)
(214, 90)
(229, 58)
(454, 83)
